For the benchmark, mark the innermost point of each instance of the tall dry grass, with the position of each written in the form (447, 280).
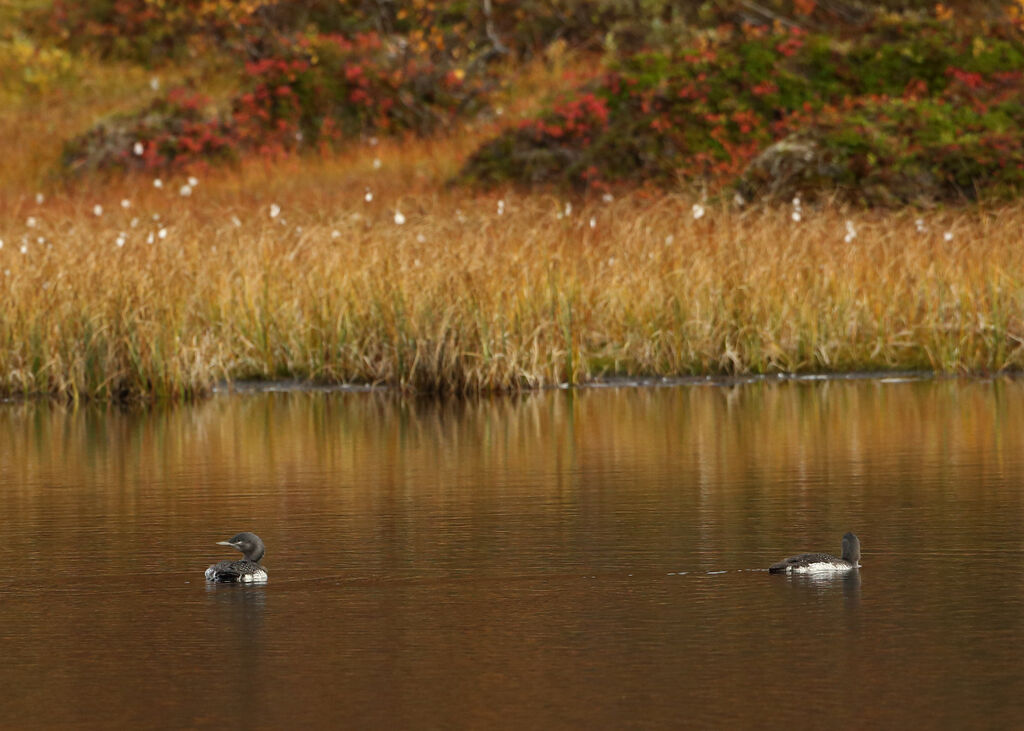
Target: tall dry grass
(462, 298)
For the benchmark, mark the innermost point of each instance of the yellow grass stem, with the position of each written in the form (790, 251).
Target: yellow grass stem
(460, 298)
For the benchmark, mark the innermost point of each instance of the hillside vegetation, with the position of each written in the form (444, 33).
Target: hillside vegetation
(467, 197)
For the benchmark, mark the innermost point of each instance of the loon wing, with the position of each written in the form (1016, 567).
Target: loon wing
(802, 560)
(225, 571)
(227, 576)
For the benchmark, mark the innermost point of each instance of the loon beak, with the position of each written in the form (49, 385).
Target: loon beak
(225, 543)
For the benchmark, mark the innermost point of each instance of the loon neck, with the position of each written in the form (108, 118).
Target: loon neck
(851, 549)
(255, 554)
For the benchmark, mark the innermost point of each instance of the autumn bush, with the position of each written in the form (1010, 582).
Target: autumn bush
(152, 31)
(312, 93)
(901, 111)
(765, 100)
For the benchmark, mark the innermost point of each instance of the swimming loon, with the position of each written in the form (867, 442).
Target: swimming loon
(247, 570)
(821, 562)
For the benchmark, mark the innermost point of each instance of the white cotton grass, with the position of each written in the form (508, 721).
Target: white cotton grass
(126, 204)
(399, 218)
(607, 197)
(139, 149)
(698, 211)
(919, 225)
(162, 233)
(121, 238)
(97, 210)
(275, 210)
(501, 207)
(193, 181)
(851, 232)
(39, 199)
(369, 196)
(948, 236)
(158, 183)
(377, 163)
(797, 214)
(31, 222)
(593, 222)
(185, 191)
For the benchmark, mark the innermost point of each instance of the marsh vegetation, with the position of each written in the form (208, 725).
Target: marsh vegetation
(338, 249)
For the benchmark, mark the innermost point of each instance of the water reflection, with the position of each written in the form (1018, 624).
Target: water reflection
(847, 581)
(245, 602)
(564, 559)
(237, 611)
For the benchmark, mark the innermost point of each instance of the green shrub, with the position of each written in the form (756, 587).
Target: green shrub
(891, 115)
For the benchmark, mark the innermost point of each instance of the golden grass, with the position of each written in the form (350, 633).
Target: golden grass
(461, 299)
(458, 298)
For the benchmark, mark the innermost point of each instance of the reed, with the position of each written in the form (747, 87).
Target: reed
(476, 292)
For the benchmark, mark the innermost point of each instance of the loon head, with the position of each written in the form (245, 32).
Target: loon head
(252, 547)
(851, 549)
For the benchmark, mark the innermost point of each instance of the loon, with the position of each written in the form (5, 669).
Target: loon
(248, 569)
(821, 562)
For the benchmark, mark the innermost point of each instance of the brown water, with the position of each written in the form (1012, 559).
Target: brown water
(553, 561)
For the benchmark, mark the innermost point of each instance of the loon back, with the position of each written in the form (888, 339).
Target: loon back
(237, 572)
(823, 562)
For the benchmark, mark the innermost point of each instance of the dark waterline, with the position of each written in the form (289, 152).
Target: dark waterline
(580, 558)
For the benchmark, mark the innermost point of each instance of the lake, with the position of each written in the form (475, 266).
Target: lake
(590, 558)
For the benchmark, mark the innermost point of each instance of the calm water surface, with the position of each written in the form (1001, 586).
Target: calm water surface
(585, 559)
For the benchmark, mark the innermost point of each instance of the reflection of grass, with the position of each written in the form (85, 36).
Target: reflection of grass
(460, 298)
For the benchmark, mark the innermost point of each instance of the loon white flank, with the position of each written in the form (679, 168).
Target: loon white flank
(807, 563)
(246, 570)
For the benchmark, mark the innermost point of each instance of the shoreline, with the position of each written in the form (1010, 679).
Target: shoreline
(245, 387)
(249, 387)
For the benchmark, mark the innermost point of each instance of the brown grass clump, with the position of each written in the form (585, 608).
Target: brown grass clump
(476, 292)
